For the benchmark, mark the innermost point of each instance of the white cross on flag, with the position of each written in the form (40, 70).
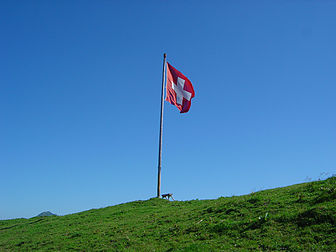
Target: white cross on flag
(179, 89)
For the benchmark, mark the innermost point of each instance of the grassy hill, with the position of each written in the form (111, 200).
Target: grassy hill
(293, 218)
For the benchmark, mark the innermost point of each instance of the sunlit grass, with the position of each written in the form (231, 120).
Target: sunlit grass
(294, 218)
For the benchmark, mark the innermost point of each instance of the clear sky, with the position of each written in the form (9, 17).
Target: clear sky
(80, 85)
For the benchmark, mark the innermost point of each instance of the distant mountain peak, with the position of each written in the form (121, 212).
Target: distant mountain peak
(47, 213)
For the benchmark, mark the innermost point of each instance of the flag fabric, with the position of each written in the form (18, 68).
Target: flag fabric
(179, 90)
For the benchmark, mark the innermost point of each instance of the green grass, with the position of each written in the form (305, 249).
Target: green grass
(295, 218)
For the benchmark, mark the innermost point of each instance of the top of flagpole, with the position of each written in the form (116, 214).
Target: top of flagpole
(164, 55)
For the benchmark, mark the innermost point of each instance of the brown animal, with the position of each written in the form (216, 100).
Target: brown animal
(167, 196)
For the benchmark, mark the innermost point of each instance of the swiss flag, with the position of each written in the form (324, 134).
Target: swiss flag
(179, 89)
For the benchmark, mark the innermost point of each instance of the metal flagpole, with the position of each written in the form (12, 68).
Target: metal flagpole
(161, 126)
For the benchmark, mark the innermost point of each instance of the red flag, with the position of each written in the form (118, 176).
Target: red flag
(179, 89)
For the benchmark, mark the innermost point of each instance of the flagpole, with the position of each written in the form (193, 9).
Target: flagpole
(161, 127)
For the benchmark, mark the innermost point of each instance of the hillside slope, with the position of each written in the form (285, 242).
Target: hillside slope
(295, 218)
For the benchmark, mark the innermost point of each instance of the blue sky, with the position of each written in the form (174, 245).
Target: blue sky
(80, 86)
